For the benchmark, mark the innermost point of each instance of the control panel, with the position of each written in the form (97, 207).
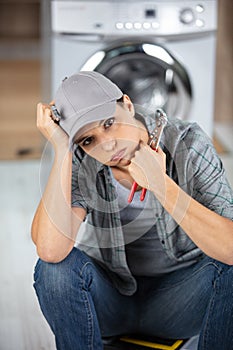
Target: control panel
(134, 18)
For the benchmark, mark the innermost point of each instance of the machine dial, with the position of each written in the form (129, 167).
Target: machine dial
(187, 16)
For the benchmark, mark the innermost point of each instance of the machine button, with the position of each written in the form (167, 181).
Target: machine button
(155, 25)
(119, 25)
(187, 16)
(128, 25)
(200, 23)
(137, 25)
(199, 8)
(146, 25)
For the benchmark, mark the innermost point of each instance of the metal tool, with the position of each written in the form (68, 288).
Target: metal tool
(55, 114)
(154, 139)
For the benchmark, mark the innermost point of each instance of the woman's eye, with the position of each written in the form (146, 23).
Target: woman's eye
(109, 122)
(87, 141)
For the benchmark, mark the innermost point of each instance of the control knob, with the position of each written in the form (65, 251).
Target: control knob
(187, 16)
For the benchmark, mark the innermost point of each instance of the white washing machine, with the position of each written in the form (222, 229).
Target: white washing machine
(161, 53)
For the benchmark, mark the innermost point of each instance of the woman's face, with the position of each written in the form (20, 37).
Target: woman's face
(113, 141)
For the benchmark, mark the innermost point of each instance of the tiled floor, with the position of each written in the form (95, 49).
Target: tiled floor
(22, 325)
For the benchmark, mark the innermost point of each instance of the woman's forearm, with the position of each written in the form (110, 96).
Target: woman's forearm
(53, 228)
(212, 233)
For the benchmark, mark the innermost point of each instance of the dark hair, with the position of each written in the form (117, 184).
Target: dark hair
(121, 99)
(137, 115)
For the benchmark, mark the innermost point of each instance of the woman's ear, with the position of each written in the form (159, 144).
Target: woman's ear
(128, 104)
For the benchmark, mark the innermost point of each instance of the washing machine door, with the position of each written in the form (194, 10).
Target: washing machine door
(148, 73)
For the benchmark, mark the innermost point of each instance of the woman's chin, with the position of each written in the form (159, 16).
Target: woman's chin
(125, 162)
(119, 163)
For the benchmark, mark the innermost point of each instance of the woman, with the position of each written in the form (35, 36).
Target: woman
(162, 266)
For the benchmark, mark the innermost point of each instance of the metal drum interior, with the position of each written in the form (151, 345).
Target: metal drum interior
(149, 74)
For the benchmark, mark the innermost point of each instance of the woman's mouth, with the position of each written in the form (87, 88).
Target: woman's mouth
(119, 155)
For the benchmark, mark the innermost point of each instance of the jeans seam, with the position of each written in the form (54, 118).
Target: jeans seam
(83, 267)
(90, 325)
(211, 305)
(89, 321)
(205, 329)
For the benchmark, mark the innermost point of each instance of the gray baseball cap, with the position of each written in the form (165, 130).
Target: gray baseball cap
(83, 98)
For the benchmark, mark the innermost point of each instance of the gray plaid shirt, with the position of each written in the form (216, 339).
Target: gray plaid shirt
(191, 161)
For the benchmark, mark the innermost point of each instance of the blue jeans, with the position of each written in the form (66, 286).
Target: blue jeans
(82, 305)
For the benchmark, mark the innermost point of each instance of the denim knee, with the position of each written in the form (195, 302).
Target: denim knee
(216, 332)
(56, 279)
(64, 297)
(224, 283)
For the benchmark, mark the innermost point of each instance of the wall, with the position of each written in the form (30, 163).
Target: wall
(20, 79)
(224, 63)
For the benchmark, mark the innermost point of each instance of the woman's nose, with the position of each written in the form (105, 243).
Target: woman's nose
(108, 145)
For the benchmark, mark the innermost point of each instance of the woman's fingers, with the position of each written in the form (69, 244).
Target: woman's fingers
(51, 130)
(147, 164)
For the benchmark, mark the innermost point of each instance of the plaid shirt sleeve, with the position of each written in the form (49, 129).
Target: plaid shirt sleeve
(77, 198)
(210, 185)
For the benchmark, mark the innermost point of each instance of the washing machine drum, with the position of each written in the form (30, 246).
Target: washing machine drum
(150, 75)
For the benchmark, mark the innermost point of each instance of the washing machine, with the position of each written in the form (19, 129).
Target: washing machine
(161, 53)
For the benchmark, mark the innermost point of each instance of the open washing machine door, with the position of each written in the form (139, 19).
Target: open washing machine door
(148, 73)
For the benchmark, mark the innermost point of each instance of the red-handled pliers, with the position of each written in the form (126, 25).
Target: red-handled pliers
(155, 137)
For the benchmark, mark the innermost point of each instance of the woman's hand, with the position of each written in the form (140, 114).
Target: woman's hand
(51, 130)
(148, 168)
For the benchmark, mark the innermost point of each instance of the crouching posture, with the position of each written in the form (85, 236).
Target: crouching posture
(109, 266)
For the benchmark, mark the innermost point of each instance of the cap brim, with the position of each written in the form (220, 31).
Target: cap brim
(98, 113)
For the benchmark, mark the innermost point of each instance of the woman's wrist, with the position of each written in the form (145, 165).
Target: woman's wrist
(173, 198)
(62, 150)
